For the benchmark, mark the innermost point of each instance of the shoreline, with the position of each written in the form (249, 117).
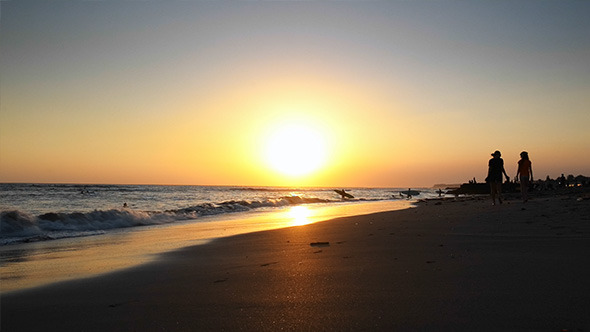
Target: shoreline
(447, 265)
(36, 264)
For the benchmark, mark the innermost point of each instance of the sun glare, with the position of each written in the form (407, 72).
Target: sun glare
(295, 150)
(300, 215)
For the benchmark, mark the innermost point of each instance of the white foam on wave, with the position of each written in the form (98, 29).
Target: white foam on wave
(18, 226)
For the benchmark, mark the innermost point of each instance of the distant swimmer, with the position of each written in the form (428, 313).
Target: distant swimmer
(343, 193)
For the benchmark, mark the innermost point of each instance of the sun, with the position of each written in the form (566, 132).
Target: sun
(295, 149)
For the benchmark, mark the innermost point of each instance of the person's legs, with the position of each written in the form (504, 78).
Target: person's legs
(494, 188)
(493, 193)
(524, 188)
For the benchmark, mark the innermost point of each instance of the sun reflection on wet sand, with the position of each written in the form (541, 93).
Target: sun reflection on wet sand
(300, 215)
(35, 264)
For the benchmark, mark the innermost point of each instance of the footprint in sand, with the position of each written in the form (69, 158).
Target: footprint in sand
(267, 264)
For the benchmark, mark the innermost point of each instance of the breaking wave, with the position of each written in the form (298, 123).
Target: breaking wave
(18, 226)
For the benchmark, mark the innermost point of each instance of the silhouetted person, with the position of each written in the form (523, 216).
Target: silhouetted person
(525, 170)
(344, 194)
(549, 183)
(495, 171)
(562, 181)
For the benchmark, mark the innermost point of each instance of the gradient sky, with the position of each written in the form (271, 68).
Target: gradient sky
(403, 93)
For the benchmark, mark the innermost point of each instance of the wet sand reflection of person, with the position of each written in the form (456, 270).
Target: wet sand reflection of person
(525, 170)
(495, 171)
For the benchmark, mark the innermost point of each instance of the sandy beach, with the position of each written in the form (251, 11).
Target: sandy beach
(447, 265)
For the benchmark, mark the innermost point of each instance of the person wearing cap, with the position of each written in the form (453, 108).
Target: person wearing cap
(525, 170)
(495, 171)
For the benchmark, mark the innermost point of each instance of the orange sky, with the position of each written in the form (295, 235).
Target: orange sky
(396, 94)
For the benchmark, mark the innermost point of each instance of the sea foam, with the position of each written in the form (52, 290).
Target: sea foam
(18, 226)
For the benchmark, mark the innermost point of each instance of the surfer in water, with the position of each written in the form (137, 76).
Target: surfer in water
(344, 194)
(409, 193)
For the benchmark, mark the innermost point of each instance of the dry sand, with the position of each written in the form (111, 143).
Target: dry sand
(451, 265)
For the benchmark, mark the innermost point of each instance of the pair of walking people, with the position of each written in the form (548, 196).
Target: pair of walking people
(496, 169)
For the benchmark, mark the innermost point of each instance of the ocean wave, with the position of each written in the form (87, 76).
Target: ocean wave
(18, 226)
(277, 189)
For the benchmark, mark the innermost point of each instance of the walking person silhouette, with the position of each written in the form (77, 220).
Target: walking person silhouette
(495, 171)
(525, 170)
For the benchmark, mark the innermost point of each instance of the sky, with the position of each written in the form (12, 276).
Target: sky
(291, 93)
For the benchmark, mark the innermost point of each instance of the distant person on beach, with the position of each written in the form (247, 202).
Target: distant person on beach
(561, 181)
(495, 171)
(525, 170)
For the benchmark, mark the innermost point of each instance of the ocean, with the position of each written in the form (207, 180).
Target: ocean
(56, 232)
(42, 212)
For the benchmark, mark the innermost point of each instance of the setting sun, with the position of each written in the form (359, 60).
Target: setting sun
(295, 150)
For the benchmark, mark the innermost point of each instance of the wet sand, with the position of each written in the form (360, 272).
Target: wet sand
(41, 263)
(450, 265)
